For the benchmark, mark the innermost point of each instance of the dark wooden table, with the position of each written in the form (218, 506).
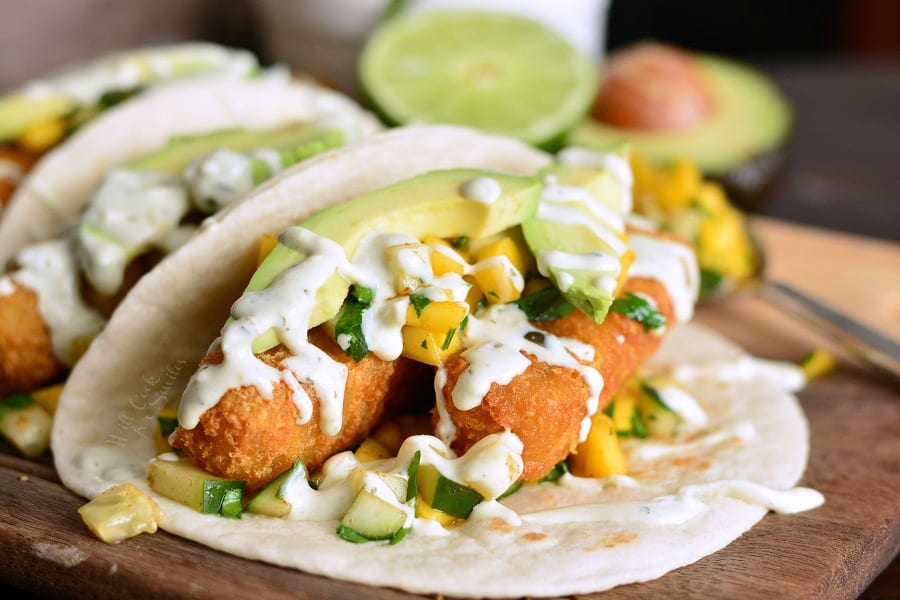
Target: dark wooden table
(843, 173)
(843, 167)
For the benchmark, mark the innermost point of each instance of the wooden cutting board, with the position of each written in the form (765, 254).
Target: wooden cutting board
(831, 552)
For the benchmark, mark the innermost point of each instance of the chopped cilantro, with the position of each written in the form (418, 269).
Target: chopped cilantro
(349, 328)
(365, 295)
(710, 281)
(639, 309)
(460, 242)
(535, 337)
(424, 345)
(419, 302)
(558, 470)
(448, 338)
(544, 305)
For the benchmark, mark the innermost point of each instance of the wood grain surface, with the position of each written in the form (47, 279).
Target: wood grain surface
(834, 551)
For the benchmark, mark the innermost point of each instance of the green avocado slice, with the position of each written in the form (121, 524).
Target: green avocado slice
(432, 203)
(749, 126)
(584, 229)
(181, 150)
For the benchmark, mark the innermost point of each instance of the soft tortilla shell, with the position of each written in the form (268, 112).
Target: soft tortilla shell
(52, 197)
(106, 418)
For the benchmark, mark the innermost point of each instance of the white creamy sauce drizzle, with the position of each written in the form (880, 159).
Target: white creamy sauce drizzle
(48, 269)
(559, 262)
(489, 467)
(663, 510)
(285, 306)
(11, 171)
(495, 340)
(672, 264)
(7, 287)
(481, 189)
(691, 415)
(89, 82)
(790, 501)
(130, 212)
(786, 375)
(648, 451)
(219, 179)
(617, 166)
(271, 158)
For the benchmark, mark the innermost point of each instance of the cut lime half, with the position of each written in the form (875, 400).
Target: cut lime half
(495, 72)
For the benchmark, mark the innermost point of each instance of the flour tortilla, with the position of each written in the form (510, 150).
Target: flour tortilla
(51, 198)
(106, 418)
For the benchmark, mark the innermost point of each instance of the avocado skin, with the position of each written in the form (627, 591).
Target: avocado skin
(742, 144)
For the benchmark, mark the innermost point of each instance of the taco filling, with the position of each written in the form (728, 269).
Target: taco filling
(60, 291)
(459, 361)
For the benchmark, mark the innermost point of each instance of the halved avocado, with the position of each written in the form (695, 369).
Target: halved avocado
(739, 142)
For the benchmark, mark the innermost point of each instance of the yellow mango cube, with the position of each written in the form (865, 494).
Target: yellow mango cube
(411, 265)
(389, 435)
(499, 280)
(423, 345)
(437, 316)
(599, 455)
(42, 136)
(506, 246)
(48, 397)
(266, 245)
(371, 450)
(121, 512)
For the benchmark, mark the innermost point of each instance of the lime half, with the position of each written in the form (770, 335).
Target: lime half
(495, 72)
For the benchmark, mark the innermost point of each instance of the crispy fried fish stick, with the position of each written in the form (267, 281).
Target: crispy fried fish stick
(27, 360)
(545, 405)
(251, 438)
(620, 344)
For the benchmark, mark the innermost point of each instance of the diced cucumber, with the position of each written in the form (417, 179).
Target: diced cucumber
(445, 495)
(270, 500)
(558, 470)
(183, 482)
(661, 421)
(26, 424)
(371, 518)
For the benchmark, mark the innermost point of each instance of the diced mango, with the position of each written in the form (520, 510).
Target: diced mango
(121, 512)
(627, 259)
(475, 297)
(516, 253)
(26, 424)
(371, 449)
(423, 345)
(443, 262)
(48, 397)
(499, 280)
(599, 455)
(437, 316)
(266, 245)
(623, 412)
(817, 363)
(42, 136)
(411, 265)
(389, 435)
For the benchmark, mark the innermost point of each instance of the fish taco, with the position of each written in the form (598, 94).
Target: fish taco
(459, 368)
(101, 209)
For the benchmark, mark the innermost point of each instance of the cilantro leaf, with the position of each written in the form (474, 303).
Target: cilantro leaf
(419, 302)
(639, 309)
(544, 305)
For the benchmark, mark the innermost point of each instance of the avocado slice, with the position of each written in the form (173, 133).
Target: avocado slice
(578, 242)
(431, 203)
(181, 150)
(82, 86)
(740, 143)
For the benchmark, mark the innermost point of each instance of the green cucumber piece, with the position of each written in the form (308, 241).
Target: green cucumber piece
(183, 482)
(660, 420)
(446, 495)
(270, 500)
(371, 518)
